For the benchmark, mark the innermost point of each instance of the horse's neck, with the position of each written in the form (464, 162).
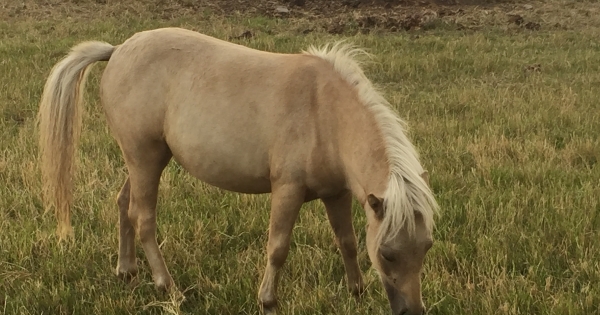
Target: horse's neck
(364, 153)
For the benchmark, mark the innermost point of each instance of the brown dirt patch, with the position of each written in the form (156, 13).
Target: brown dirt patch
(334, 16)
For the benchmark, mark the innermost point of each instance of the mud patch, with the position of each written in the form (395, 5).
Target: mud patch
(333, 16)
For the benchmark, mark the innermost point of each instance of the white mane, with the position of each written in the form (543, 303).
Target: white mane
(406, 190)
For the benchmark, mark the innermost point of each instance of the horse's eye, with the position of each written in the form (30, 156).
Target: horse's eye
(388, 256)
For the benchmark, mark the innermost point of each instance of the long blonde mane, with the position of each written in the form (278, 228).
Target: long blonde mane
(406, 191)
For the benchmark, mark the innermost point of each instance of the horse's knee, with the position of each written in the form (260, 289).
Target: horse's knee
(146, 230)
(123, 201)
(144, 225)
(348, 246)
(278, 254)
(123, 198)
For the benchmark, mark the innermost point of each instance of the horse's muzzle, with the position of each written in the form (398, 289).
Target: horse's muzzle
(398, 303)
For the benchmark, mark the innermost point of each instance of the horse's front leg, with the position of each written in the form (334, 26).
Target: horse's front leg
(339, 212)
(286, 201)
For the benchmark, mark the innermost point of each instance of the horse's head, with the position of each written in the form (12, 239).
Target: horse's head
(399, 258)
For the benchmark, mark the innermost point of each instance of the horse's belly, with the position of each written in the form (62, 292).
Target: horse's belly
(228, 178)
(226, 158)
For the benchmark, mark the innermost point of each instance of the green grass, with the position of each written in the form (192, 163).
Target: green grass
(513, 158)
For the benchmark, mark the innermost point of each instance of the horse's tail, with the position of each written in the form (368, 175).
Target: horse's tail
(59, 121)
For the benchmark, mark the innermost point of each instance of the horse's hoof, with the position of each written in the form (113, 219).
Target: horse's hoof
(165, 285)
(270, 311)
(127, 275)
(358, 292)
(269, 306)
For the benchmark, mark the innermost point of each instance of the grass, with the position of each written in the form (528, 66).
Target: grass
(512, 153)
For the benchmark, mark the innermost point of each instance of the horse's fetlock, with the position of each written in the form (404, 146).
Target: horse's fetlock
(165, 284)
(357, 288)
(269, 304)
(126, 273)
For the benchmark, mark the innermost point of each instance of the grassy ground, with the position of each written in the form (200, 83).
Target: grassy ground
(507, 121)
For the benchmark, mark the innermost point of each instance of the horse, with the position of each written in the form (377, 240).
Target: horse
(302, 127)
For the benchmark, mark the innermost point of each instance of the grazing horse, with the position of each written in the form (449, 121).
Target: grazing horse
(299, 126)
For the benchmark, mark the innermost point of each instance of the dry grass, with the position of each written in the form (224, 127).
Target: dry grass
(512, 149)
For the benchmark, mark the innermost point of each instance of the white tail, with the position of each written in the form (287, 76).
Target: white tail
(59, 119)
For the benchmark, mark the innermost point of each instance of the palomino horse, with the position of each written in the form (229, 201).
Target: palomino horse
(299, 126)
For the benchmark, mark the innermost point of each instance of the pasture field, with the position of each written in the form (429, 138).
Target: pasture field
(506, 117)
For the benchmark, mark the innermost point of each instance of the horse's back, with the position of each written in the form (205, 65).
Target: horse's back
(225, 110)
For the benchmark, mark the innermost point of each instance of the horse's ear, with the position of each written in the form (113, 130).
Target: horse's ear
(425, 176)
(376, 204)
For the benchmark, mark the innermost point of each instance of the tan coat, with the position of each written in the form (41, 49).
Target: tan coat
(298, 126)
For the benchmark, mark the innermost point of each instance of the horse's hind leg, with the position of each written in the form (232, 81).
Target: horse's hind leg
(286, 202)
(339, 212)
(126, 265)
(145, 164)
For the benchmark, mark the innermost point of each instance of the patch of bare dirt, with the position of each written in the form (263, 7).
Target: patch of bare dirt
(334, 16)
(338, 16)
